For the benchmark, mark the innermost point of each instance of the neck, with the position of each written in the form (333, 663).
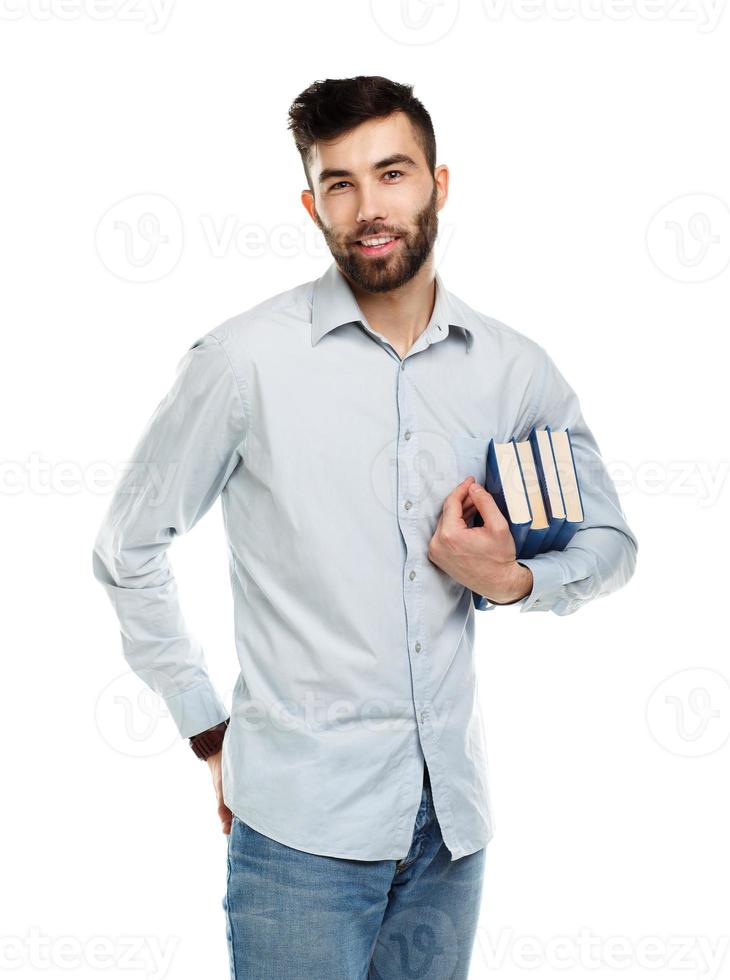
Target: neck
(400, 315)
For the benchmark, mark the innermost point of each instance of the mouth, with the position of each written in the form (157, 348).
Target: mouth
(378, 245)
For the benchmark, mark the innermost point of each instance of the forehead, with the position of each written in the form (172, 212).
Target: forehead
(367, 143)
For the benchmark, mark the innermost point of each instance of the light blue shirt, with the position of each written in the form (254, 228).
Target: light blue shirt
(332, 456)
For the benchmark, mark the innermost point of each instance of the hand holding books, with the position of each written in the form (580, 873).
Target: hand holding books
(481, 559)
(535, 485)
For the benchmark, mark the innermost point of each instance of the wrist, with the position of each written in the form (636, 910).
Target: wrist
(524, 581)
(519, 585)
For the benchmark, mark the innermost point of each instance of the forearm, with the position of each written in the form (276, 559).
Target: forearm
(597, 562)
(155, 640)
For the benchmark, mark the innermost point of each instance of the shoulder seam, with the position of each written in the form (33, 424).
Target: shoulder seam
(245, 409)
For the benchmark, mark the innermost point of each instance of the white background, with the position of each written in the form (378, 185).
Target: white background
(588, 148)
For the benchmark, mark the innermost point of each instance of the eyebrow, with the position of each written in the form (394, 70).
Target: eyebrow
(394, 158)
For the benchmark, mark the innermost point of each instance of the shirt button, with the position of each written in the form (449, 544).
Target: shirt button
(412, 576)
(407, 435)
(417, 647)
(402, 365)
(423, 716)
(407, 505)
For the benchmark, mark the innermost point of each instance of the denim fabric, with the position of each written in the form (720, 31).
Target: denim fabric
(291, 914)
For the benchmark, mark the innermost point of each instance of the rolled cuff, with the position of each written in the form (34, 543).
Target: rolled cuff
(547, 582)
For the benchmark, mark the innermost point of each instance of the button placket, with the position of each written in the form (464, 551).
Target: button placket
(408, 512)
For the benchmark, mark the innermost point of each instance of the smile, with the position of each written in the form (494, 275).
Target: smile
(377, 246)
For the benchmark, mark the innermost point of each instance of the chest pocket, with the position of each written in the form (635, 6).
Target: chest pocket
(469, 458)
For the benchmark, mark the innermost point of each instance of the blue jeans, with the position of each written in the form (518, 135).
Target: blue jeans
(292, 915)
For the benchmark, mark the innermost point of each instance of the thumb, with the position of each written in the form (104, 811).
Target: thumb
(452, 512)
(487, 506)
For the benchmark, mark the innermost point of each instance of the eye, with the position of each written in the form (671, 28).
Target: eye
(342, 183)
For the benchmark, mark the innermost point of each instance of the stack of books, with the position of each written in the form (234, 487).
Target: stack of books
(535, 485)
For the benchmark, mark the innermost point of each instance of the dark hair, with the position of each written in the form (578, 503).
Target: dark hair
(333, 106)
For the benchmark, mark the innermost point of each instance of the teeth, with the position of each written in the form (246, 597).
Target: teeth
(376, 241)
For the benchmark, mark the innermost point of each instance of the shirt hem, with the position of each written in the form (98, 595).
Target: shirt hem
(357, 855)
(461, 852)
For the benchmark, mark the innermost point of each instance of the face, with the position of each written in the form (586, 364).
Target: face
(374, 183)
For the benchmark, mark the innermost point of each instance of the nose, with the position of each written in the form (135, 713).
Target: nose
(370, 207)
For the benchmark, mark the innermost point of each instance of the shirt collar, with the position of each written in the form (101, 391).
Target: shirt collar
(334, 304)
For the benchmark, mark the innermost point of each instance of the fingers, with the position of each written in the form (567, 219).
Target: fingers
(453, 505)
(486, 505)
(226, 818)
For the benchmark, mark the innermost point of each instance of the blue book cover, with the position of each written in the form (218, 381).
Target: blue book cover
(517, 512)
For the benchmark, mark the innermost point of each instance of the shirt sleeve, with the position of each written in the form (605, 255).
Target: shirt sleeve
(601, 556)
(186, 453)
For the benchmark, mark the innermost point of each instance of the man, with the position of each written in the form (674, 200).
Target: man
(344, 423)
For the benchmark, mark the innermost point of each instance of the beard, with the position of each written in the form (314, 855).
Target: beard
(380, 274)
